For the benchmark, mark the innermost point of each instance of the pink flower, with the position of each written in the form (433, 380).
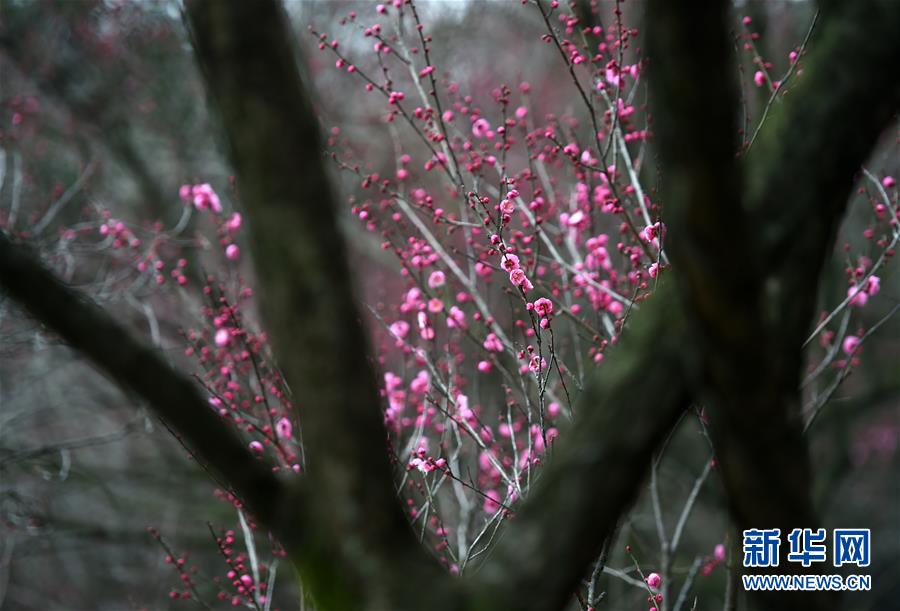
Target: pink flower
(851, 344)
(543, 307)
(653, 270)
(492, 343)
(485, 366)
(462, 407)
(256, 446)
(437, 279)
(425, 328)
(858, 296)
(480, 128)
(519, 279)
(537, 363)
(456, 318)
(223, 337)
(653, 580)
(400, 328)
(719, 552)
(509, 262)
(392, 381)
(873, 285)
(759, 78)
(205, 197)
(284, 429)
(888, 182)
(185, 192)
(652, 233)
(234, 222)
(420, 383)
(507, 207)
(517, 276)
(232, 252)
(576, 219)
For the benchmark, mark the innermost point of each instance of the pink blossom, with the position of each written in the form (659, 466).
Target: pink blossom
(851, 344)
(234, 222)
(653, 580)
(400, 328)
(873, 285)
(420, 383)
(575, 220)
(507, 207)
(425, 328)
(509, 262)
(283, 428)
(421, 464)
(536, 363)
(462, 407)
(392, 381)
(206, 198)
(412, 301)
(543, 307)
(480, 127)
(719, 552)
(492, 343)
(485, 366)
(519, 279)
(888, 182)
(759, 78)
(256, 446)
(223, 337)
(232, 252)
(858, 296)
(456, 318)
(652, 233)
(612, 76)
(436, 279)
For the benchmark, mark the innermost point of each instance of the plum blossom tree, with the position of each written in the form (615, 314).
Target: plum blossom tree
(535, 260)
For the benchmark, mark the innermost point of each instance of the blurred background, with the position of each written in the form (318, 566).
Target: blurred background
(103, 116)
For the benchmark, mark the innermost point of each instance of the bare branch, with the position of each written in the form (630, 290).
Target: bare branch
(135, 366)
